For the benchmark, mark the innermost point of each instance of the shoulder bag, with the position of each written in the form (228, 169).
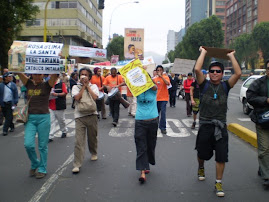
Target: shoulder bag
(86, 105)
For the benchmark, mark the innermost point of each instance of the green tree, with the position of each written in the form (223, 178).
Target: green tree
(246, 49)
(260, 35)
(171, 55)
(165, 62)
(13, 14)
(207, 32)
(116, 47)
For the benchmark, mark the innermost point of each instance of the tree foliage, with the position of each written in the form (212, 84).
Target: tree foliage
(116, 47)
(13, 14)
(171, 55)
(260, 35)
(246, 49)
(207, 32)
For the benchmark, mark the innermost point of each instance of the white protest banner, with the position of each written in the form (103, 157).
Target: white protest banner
(35, 58)
(87, 52)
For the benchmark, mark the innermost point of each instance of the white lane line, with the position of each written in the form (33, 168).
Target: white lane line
(22, 133)
(244, 119)
(45, 188)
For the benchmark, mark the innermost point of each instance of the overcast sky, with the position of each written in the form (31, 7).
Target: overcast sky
(155, 16)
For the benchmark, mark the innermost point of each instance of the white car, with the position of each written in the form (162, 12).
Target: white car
(243, 98)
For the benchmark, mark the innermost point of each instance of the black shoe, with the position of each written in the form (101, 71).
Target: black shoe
(50, 140)
(63, 135)
(114, 124)
(163, 131)
(11, 130)
(103, 117)
(5, 133)
(266, 183)
(193, 125)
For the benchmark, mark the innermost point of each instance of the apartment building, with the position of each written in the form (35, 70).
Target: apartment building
(243, 15)
(173, 38)
(197, 10)
(71, 22)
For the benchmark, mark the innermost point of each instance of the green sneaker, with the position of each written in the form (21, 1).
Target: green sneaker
(218, 189)
(201, 174)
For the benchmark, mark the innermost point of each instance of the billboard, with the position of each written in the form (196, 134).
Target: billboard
(134, 43)
(81, 51)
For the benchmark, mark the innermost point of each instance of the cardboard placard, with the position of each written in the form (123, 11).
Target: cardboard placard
(217, 52)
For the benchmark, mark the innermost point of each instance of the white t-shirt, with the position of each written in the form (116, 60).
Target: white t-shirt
(76, 90)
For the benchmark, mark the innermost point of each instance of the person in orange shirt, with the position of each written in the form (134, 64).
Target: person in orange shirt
(114, 81)
(98, 79)
(132, 100)
(162, 81)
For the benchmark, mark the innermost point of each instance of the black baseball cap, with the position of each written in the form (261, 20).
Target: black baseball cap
(7, 74)
(189, 74)
(218, 64)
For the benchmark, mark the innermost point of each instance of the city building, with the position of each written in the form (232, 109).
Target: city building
(77, 23)
(173, 38)
(197, 10)
(242, 16)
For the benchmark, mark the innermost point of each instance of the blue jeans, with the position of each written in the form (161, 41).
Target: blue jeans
(162, 108)
(37, 123)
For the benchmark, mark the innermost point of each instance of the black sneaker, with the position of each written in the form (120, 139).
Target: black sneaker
(201, 174)
(50, 140)
(114, 124)
(11, 130)
(164, 131)
(63, 135)
(193, 125)
(266, 183)
(5, 133)
(219, 190)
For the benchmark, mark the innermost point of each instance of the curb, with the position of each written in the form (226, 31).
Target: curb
(244, 133)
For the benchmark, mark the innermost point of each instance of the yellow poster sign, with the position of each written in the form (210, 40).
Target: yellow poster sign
(136, 78)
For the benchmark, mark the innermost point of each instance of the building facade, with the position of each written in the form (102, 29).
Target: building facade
(173, 38)
(243, 15)
(197, 10)
(71, 22)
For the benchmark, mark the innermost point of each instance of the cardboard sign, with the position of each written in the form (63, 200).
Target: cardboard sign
(218, 52)
(136, 78)
(35, 57)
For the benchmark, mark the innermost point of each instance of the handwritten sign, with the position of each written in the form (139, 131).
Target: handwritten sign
(136, 78)
(35, 57)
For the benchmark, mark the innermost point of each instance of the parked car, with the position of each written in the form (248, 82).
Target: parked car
(246, 106)
(226, 75)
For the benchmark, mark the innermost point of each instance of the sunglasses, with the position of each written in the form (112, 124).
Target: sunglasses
(214, 70)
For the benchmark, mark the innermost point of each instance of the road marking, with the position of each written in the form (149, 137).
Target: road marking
(125, 128)
(244, 119)
(70, 123)
(40, 193)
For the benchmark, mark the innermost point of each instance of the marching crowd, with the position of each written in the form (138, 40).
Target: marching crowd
(88, 89)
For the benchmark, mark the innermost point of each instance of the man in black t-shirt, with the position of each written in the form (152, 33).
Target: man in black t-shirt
(212, 134)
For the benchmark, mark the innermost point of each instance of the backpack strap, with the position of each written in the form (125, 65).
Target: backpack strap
(224, 85)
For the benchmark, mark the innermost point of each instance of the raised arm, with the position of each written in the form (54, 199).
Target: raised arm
(237, 70)
(23, 78)
(53, 79)
(198, 66)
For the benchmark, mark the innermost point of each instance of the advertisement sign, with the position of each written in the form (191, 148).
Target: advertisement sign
(35, 57)
(134, 43)
(114, 59)
(136, 78)
(87, 52)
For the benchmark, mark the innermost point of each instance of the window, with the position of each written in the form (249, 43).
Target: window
(244, 28)
(249, 13)
(63, 4)
(249, 28)
(220, 3)
(36, 22)
(220, 10)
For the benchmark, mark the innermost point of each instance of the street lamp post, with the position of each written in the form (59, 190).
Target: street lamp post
(45, 22)
(135, 2)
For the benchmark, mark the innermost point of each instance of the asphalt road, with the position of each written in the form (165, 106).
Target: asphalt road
(113, 176)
